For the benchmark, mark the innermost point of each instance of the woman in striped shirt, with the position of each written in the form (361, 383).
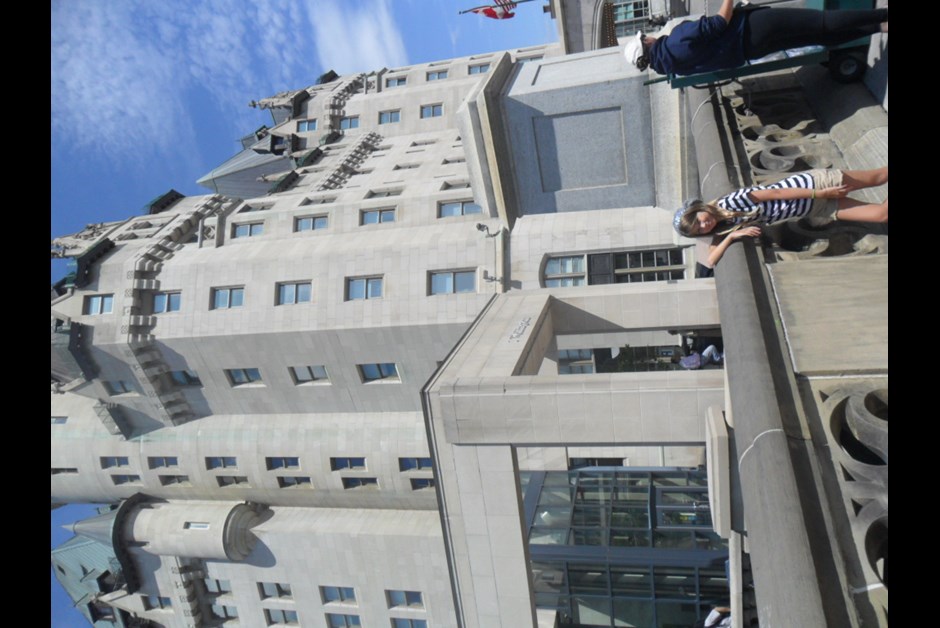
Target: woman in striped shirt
(818, 195)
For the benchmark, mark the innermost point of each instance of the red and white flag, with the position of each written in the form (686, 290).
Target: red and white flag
(502, 10)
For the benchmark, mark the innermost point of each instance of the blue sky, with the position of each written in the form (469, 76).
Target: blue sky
(148, 96)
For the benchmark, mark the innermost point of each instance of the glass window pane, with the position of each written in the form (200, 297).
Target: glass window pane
(388, 215)
(253, 375)
(357, 288)
(466, 281)
(286, 293)
(375, 288)
(174, 304)
(319, 372)
(303, 292)
(159, 303)
(450, 209)
(442, 283)
(370, 371)
(237, 295)
(472, 208)
(370, 217)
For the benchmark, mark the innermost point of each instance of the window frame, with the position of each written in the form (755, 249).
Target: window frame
(230, 481)
(453, 274)
(163, 462)
(252, 377)
(391, 594)
(422, 484)
(421, 463)
(344, 595)
(305, 126)
(273, 463)
(346, 463)
(247, 229)
(435, 110)
(311, 377)
(351, 483)
(464, 204)
(172, 301)
(380, 368)
(114, 462)
(367, 287)
(381, 212)
(98, 304)
(436, 75)
(294, 481)
(281, 591)
(229, 292)
(221, 462)
(295, 299)
(348, 123)
(314, 221)
(117, 387)
(390, 116)
(185, 377)
(478, 68)
(349, 621)
(591, 261)
(396, 81)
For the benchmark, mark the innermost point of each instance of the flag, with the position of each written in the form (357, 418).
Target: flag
(502, 11)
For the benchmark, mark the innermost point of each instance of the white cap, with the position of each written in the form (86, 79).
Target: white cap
(634, 48)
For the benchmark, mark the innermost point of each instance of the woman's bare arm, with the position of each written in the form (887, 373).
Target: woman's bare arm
(785, 194)
(715, 251)
(727, 6)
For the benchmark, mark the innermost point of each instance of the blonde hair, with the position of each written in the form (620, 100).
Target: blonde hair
(687, 224)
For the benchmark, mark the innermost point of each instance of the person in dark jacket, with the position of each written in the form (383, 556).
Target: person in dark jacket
(733, 36)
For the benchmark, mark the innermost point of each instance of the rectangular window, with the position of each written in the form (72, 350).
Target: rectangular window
(118, 387)
(219, 587)
(453, 160)
(59, 420)
(99, 304)
(224, 612)
(294, 481)
(353, 464)
(455, 185)
(166, 302)
(232, 480)
(358, 288)
(108, 462)
(398, 622)
(453, 281)
(275, 590)
(389, 117)
(225, 298)
(396, 81)
(318, 200)
(311, 223)
(350, 122)
(387, 372)
(160, 462)
(432, 111)
(414, 464)
(360, 483)
(338, 595)
(221, 462)
(306, 125)
(170, 480)
(289, 293)
(155, 602)
(243, 377)
(438, 75)
(527, 59)
(280, 617)
(383, 193)
(185, 378)
(247, 229)
(458, 208)
(376, 216)
(418, 484)
(256, 208)
(196, 525)
(309, 374)
(480, 68)
(63, 470)
(406, 166)
(125, 479)
(615, 267)
(335, 620)
(404, 599)
(282, 462)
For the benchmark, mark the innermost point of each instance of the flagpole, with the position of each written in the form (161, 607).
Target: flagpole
(492, 6)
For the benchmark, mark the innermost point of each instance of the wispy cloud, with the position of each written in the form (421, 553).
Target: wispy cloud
(356, 36)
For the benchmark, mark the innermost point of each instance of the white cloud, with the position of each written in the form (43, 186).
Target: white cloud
(356, 36)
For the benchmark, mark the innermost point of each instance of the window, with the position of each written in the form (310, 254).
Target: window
(309, 374)
(455, 185)
(224, 612)
(225, 298)
(396, 81)
(454, 160)
(221, 462)
(232, 480)
(453, 281)
(170, 480)
(247, 229)
(306, 125)
(342, 621)
(458, 208)
(527, 59)
(383, 193)
(575, 361)
(418, 484)
(631, 16)
(481, 68)
(349, 483)
(243, 377)
(160, 462)
(108, 462)
(118, 387)
(63, 470)
(292, 481)
(166, 302)
(389, 117)
(414, 464)
(152, 602)
(289, 293)
(311, 223)
(350, 122)
(219, 587)
(423, 142)
(125, 479)
(358, 288)
(438, 75)
(256, 208)
(196, 525)
(378, 372)
(185, 378)
(398, 622)
(99, 304)
(282, 462)
(279, 617)
(319, 200)
(406, 166)
(338, 595)
(355, 464)
(375, 216)
(275, 590)
(59, 420)
(404, 599)
(432, 111)
(614, 267)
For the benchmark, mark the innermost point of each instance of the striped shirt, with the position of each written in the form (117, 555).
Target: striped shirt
(768, 212)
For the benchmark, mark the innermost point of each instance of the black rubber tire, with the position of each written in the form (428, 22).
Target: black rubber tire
(847, 67)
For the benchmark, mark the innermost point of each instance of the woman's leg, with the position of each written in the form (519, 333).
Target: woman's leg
(772, 30)
(860, 211)
(860, 179)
